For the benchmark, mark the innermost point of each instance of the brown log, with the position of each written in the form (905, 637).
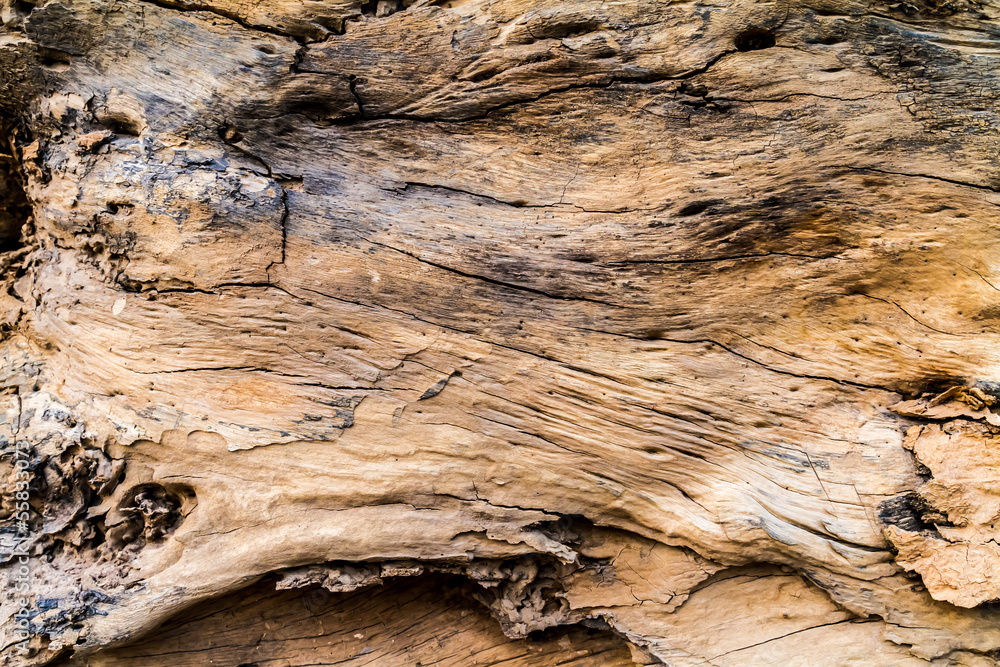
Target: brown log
(658, 332)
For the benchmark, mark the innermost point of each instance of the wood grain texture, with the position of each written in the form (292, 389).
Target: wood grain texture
(411, 624)
(679, 318)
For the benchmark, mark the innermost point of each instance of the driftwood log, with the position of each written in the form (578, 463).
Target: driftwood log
(521, 332)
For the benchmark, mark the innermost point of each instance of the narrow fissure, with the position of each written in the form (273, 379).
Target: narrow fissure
(15, 211)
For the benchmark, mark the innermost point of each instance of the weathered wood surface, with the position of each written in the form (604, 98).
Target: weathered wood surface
(676, 317)
(406, 623)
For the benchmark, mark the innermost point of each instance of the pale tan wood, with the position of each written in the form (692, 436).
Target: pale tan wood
(675, 317)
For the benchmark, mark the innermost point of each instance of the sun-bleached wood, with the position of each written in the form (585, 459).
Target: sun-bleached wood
(677, 321)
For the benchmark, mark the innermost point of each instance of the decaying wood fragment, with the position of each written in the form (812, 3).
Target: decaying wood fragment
(526, 332)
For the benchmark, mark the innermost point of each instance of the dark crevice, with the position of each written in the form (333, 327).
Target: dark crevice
(943, 179)
(284, 231)
(435, 186)
(694, 208)
(230, 134)
(382, 8)
(354, 91)
(54, 59)
(121, 123)
(15, 211)
(727, 258)
(910, 512)
(149, 513)
(754, 39)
